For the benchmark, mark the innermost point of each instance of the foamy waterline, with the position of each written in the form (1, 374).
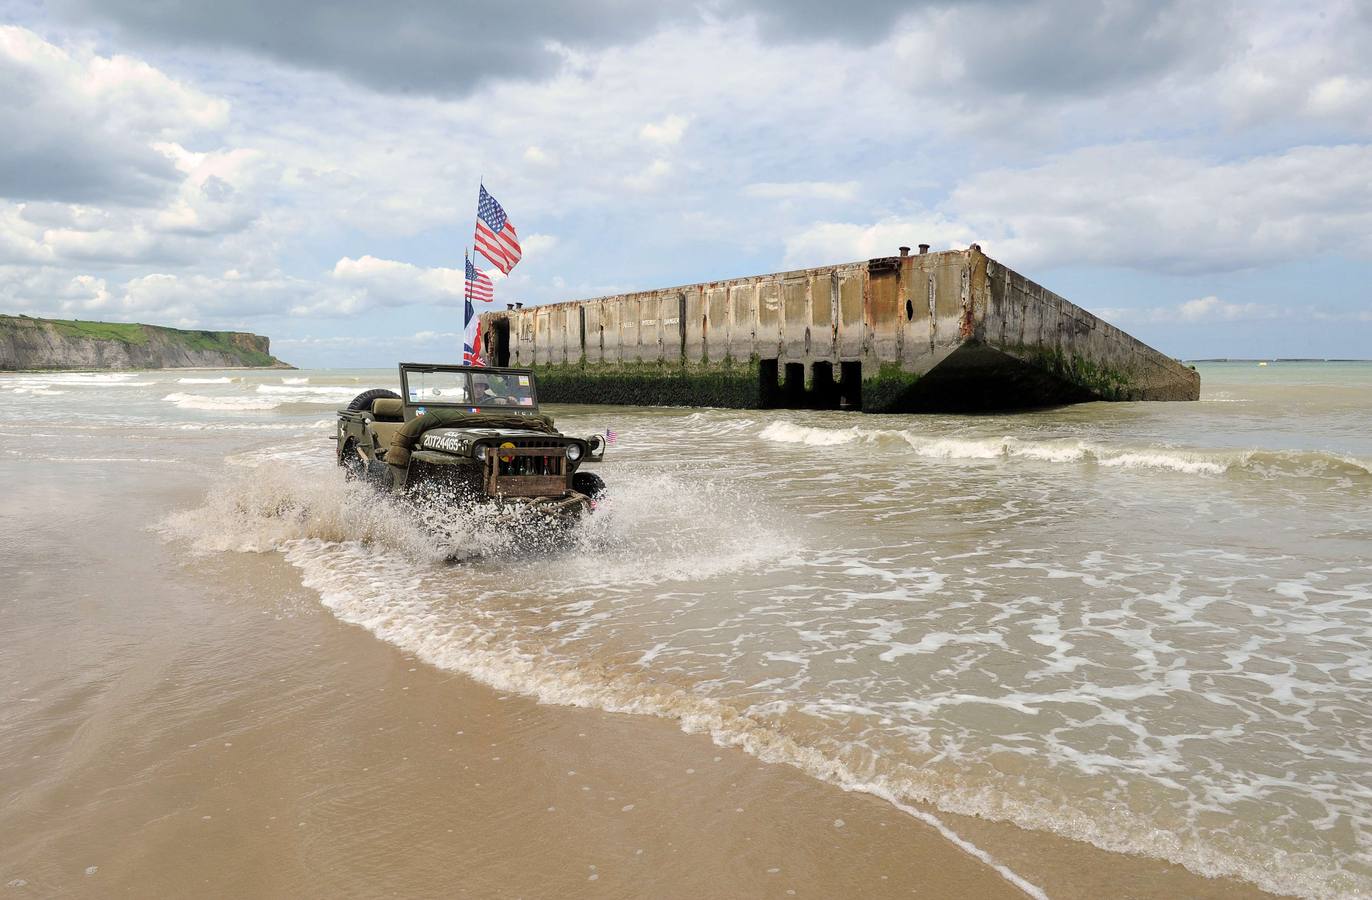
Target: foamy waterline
(221, 404)
(1065, 450)
(468, 651)
(405, 623)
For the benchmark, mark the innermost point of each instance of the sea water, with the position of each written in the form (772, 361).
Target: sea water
(1144, 626)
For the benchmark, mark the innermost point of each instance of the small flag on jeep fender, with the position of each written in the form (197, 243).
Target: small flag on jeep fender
(611, 436)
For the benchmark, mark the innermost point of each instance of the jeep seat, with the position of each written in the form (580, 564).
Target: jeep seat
(388, 417)
(388, 409)
(385, 433)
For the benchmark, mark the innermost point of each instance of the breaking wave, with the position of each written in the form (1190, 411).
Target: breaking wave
(204, 381)
(298, 391)
(221, 404)
(317, 425)
(77, 379)
(1265, 463)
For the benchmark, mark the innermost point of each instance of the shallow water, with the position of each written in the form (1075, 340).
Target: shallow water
(1145, 626)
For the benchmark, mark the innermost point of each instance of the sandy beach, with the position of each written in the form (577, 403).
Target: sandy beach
(220, 748)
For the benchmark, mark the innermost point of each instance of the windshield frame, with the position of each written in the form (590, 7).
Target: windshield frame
(473, 402)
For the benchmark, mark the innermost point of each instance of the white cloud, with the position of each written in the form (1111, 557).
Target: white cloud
(1199, 311)
(386, 282)
(1339, 96)
(220, 191)
(80, 127)
(1140, 205)
(535, 245)
(158, 297)
(537, 156)
(350, 342)
(666, 132)
(1144, 206)
(49, 291)
(802, 190)
(1206, 309)
(828, 242)
(649, 178)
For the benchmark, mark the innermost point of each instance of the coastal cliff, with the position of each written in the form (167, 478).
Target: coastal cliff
(28, 343)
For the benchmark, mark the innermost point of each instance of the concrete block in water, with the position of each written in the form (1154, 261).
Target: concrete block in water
(931, 332)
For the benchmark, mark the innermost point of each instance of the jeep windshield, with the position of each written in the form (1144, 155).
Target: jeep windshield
(467, 387)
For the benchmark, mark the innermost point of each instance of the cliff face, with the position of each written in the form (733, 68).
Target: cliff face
(27, 343)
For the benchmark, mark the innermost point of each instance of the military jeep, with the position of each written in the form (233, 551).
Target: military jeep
(469, 433)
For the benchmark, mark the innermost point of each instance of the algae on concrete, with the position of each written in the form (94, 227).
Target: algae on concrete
(735, 385)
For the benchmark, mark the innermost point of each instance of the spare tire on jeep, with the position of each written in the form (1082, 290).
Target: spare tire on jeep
(363, 401)
(588, 483)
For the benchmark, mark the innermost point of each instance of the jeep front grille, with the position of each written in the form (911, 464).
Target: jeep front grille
(533, 467)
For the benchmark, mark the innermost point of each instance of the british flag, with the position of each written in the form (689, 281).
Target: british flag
(471, 338)
(496, 237)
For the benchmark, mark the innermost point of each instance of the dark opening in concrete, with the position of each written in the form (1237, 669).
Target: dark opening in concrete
(794, 388)
(499, 349)
(824, 391)
(769, 391)
(850, 385)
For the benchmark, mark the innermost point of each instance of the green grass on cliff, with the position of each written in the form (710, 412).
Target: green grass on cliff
(223, 341)
(127, 332)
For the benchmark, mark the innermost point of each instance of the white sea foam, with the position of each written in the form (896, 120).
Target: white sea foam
(315, 426)
(79, 379)
(86, 377)
(102, 459)
(302, 379)
(1167, 459)
(307, 393)
(221, 404)
(204, 380)
(303, 454)
(1067, 450)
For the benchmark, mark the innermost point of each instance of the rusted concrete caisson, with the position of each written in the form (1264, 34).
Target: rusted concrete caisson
(933, 331)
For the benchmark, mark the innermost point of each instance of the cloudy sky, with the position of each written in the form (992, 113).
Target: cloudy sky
(1198, 173)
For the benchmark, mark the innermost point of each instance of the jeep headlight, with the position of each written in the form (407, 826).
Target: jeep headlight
(480, 451)
(574, 452)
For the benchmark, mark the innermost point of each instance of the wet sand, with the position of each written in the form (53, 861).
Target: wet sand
(205, 728)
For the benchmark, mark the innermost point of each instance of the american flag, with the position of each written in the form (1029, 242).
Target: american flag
(479, 286)
(495, 233)
(611, 437)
